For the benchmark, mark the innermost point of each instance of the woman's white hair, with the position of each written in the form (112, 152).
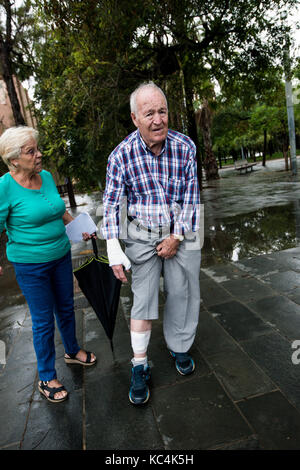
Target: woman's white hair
(133, 96)
(12, 140)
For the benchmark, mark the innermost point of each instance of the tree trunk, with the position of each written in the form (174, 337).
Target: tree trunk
(210, 163)
(71, 193)
(13, 98)
(191, 123)
(265, 148)
(285, 156)
(6, 65)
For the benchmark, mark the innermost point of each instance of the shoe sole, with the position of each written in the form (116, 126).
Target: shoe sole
(141, 403)
(81, 363)
(185, 373)
(177, 368)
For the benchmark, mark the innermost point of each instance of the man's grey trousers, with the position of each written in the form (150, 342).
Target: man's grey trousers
(181, 286)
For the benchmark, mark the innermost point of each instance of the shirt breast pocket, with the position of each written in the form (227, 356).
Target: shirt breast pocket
(175, 189)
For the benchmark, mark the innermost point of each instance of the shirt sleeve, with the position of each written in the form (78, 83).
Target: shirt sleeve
(115, 191)
(188, 219)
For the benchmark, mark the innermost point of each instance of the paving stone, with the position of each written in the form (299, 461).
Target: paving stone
(203, 275)
(9, 336)
(239, 374)
(287, 260)
(16, 388)
(239, 321)
(247, 290)
(275, 420)
(224, 272)
(112, 422)
(13, 317)
(197, 414)
(97, 341)
(295, 295)
(249, 443)
(212, 293)
(163, 370)
(284, 282)
(22, 349)
(273, 354)
(211, 338)
(55, 426)
(259, 265)
(80, 301)
(280, 313)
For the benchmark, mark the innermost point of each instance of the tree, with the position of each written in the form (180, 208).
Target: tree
(94, 54)
(14, 22)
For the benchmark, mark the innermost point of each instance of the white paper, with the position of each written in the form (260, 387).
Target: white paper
(82, 223)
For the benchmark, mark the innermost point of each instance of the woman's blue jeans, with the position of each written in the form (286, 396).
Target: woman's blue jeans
(48, 290)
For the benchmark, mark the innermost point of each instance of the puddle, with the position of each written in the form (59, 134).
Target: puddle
(255, 233)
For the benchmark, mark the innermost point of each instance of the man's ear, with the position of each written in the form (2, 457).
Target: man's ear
(134, 120)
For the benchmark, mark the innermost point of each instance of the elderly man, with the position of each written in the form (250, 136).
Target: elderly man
(154, 168)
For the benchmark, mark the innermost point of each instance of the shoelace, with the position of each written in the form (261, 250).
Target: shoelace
(138, 377)
(183, 359)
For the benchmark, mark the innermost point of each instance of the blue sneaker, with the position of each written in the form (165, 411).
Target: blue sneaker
(139, 391)
(183, 362)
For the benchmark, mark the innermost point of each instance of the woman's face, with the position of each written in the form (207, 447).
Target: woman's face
(30, 160)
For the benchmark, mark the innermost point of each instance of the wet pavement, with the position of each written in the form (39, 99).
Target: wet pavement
(245, 391)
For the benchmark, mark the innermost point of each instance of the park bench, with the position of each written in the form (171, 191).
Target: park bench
(241, 165)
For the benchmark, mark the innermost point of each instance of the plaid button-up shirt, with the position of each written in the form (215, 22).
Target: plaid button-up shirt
(160, 190)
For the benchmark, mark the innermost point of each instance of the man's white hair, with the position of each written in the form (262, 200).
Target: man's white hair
(13, 139)
(134, 94)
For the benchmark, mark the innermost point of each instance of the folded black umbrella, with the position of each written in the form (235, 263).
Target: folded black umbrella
(101, 288)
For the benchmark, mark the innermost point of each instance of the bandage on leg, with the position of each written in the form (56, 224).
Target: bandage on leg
(139, 342)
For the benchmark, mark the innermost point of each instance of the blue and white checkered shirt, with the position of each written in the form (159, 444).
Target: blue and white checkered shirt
(160, 190)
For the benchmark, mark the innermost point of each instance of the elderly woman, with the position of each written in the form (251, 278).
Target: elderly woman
(34, 216)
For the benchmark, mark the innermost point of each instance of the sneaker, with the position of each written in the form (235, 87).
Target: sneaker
(183, 362)
(139, 391)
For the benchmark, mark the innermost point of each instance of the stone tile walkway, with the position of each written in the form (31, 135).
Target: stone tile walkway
(244, 394)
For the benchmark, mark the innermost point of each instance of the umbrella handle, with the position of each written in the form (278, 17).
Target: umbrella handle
(95, 247)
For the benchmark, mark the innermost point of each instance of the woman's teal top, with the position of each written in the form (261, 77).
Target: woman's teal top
(33, 220)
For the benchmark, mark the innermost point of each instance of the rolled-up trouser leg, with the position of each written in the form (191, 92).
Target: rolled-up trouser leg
(145, 289)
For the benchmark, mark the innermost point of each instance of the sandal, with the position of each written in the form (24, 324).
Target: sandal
(72, 359)
(43, 386)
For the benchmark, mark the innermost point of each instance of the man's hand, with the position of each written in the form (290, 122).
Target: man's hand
(168, 247)
(117, 259)
(1, 271)
(119, 272)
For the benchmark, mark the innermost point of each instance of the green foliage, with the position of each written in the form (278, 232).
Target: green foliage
(94, 53)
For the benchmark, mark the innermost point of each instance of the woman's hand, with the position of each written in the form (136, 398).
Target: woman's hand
(86, 236)
(1, 271)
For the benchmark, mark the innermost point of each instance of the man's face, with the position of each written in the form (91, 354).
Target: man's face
(151, 118)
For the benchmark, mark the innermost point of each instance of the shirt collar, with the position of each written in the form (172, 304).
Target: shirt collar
(144, 145)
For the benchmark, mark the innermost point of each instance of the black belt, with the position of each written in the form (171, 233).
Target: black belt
(139, 226)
